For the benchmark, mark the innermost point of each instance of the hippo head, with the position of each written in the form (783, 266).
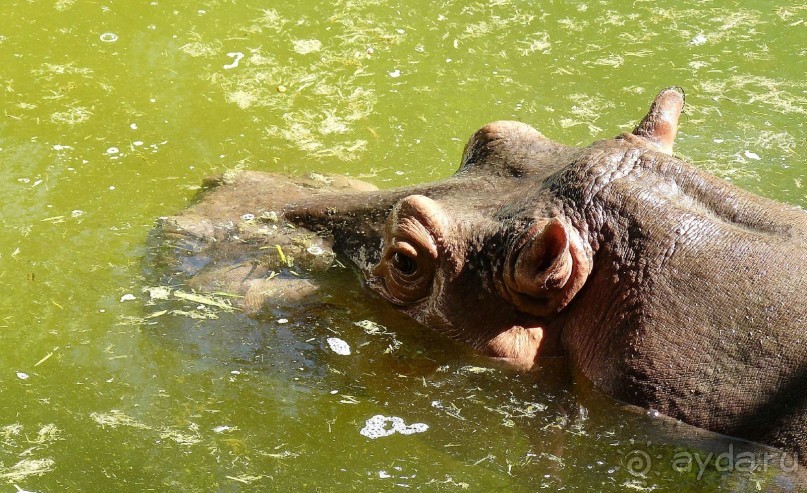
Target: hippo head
(495, 255)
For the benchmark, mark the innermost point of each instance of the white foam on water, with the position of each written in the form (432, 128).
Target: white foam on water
(338, 346)
(381, 426)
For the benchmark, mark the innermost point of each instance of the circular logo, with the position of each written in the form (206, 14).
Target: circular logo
(637, 462)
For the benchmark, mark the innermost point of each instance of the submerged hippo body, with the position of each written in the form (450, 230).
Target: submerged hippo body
(665, 286)
(234, 240)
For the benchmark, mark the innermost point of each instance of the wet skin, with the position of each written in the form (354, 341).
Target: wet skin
(662, 284)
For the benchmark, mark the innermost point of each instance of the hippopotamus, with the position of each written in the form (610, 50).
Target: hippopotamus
(663, 285)
(234, 240)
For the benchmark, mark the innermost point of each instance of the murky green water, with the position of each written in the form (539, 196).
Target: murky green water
(114, 111)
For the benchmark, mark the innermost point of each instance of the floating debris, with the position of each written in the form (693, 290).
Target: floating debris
(476, 369)
(752, 155)
(116, 418)
(270, 216)
(236, 56)
(376, 427)
(25, 468)
(371, 327)
(246, 478)
(71, 116)
(698, 40)
(287, 261)
(64, 4)
(158, 292)
(127, 297)
(306, 46)
(338, 346)
(22, 375)
(198, 48)
(20, 490)
(205, 300)
(45, 358)
(374, 329)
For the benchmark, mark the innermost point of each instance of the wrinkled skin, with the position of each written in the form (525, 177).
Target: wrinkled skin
(665, 286)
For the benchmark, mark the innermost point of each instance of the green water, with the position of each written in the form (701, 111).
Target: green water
(113, 112)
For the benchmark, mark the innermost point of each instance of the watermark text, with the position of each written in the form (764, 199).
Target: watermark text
(639, 462)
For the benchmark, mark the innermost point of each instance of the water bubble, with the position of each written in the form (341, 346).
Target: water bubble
(315, 250)
(108, 37)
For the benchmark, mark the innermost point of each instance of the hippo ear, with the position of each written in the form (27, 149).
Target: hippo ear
(544, 270)
(660, 125)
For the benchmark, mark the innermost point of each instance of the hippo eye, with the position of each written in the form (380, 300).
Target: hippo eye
(410, 259)
(408, 269)
(404, 263)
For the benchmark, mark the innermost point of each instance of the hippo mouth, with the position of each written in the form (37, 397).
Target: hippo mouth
(521, 346)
